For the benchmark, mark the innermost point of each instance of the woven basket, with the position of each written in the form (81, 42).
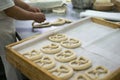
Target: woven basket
(103, 6)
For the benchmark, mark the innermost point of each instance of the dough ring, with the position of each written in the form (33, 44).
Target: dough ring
(58, 37)
(41, 25)
(51, 49)
(59, 21)
(81, 77)
(65, 56)
(97, 73)
(33, 55)
(71, 43)
(63, 71)
(45, 62)
(80, 63)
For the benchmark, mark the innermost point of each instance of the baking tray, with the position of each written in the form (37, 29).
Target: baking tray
(107, 47)
(87, 30)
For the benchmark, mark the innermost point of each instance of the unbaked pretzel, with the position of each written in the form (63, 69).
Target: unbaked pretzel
(51, 48)
(59, 21)
(33, 54)
(45, 62)
(41, 25)
(58, 37)
(81, 77)
(95, 73)
(65, 56)
(62, 71)
(80, 63)
(71, 43)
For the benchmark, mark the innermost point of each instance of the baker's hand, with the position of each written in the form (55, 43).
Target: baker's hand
(39, 17)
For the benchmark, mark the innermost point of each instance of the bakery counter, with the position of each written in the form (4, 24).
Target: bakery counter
(24, 28)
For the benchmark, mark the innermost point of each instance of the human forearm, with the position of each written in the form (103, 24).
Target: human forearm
(26, 6)
(21, 4)
(18, 13)
(21, 14)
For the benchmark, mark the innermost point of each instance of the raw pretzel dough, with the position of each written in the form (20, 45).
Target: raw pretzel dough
(80, 63)
(63, 71)
(98, 73)
(65, 56)
(46, 62)
(59, 21)
(41, 25)
(33, 55)
(51, 49)
(81, 77)
(71, 43)
(58, 37)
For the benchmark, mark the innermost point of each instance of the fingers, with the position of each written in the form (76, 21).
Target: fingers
(39, 17)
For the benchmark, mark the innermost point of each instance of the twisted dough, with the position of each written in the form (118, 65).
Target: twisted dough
(80, 63)
(58, 22)
(33, 54)
(81, 77)
(97, 73)
(51, 48)
(58, 37)
(41, 25)
(45, 62)
(62, 71)
(65, 56)
(71, 43)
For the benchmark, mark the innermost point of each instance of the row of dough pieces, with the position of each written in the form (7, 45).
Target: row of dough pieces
(65, 56)
(64, 71)
(65, 41)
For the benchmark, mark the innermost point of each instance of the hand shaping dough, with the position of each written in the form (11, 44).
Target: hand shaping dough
(97, 73)
(58, 37)
(80, 63)
(81, 77)
(71, 43)
(33, 55)
(41, 25)
(51, 49)
(63, 71)
(65, 56)
(46, 62)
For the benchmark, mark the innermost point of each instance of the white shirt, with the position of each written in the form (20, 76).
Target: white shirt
(7, 28)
